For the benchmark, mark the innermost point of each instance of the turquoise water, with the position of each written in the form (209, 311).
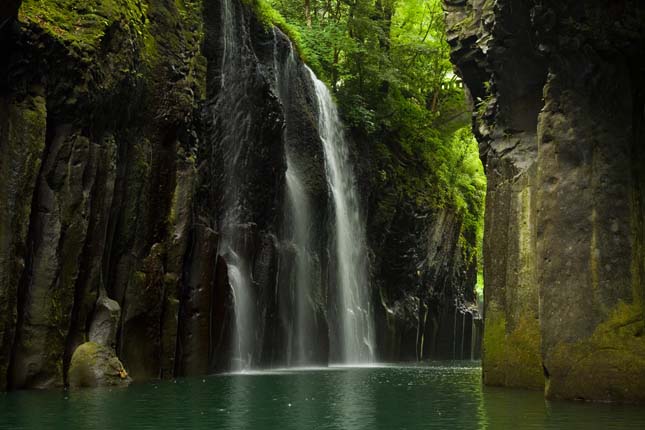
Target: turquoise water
(439, 396)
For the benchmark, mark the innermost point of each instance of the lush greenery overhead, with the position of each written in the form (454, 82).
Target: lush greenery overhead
(388, 63)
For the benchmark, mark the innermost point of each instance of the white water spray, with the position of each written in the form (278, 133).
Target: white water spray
(353, 307)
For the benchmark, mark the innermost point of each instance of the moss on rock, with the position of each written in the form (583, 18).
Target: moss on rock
(95, 365)
(83, 24)
(269, 17)
(512, 358)
(608, 366)
(22, 134)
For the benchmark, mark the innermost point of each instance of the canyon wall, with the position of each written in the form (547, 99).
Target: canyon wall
(558, 93)
(130, 132)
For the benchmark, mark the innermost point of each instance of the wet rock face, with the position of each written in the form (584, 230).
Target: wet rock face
(423, 286)
(95, 166)
(105, 323)
(130, 148)
(559, 94)
(115, 140)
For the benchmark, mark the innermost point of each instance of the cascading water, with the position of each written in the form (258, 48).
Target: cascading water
(235, 227)
(299, 206)
(300, 291)
(238, 275)
(297, 227)
(350, 256)
(227, 37)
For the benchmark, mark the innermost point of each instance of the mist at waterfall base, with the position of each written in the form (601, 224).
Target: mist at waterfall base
(442, 395)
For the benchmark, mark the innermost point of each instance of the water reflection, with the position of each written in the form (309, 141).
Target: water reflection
(446, 396)
(237, 403)
(354, 406)
(505, 408)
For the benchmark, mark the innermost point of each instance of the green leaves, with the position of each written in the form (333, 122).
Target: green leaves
(388, 64)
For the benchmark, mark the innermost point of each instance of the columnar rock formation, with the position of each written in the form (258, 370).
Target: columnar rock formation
(559, 95)
(122, 123)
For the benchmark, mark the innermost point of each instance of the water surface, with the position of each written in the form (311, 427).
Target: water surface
(440, 396)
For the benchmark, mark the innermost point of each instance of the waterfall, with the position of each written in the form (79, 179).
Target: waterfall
(348, 241)
(233, 121)
(227, 37)
(238, 275)
(297, 225)
(300, 293)
(299, 207)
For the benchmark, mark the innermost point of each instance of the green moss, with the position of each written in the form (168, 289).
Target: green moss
(26, 139)
(270, 17)
(608, 366)
(96, 365)
(22, 133)
(139, 278)
(88, 28)
(176, 34)
(512, 359)
(83, 24)
(181, 196)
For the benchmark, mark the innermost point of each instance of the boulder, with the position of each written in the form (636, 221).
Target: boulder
(95, 365)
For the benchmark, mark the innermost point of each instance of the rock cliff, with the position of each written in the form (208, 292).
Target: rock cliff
(559, 116)
(134, 136)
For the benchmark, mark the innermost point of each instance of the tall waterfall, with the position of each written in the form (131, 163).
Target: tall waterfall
(236, 228)
(300, 215)
(297, 227)
(348, 236)
(227, 38)
(316, 263)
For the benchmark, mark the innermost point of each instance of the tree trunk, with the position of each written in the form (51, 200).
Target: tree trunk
(308, 13)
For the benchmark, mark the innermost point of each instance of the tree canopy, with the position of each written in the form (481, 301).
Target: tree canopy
(387, 62)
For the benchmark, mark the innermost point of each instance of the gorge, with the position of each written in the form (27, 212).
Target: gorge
(560, 126)
(186, 195)
(193, 188)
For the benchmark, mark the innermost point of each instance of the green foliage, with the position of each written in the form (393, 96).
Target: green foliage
(83, 24)
(270, 17)
(388, 63)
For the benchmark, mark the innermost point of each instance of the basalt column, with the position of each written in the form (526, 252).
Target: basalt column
(558, 93)
(507, 90)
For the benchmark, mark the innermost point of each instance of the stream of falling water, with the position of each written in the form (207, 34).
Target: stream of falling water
(353, 307)
(298, 219)
(235, 226)
(351, 317)
(299, 204)
(227, 37)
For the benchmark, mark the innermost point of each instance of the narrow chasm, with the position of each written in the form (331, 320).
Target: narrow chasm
(560, 132)
(288, 214)
(184, 194)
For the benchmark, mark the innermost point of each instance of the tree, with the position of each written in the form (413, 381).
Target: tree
(387, 62)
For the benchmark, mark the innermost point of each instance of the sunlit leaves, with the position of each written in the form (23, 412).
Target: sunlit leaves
(387, 62)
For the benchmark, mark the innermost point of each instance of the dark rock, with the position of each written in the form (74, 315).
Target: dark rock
(105, 323)
(22, 142)
(88, 219)
(194, 332)
(560, 124)
(143, 157)
(58, 229)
